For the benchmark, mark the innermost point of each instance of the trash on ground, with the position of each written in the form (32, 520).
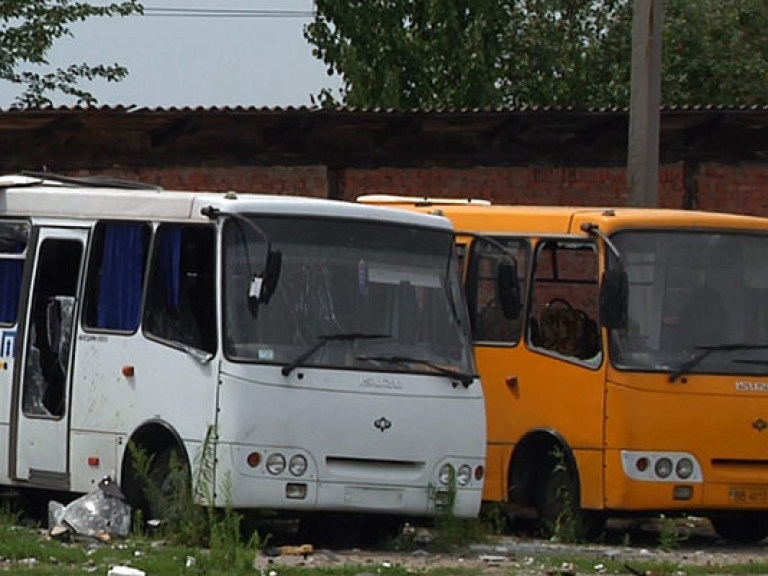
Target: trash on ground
(125, 571)
(303, 550)
(100, 514)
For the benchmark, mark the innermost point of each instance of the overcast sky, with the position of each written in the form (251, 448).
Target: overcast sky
(189, 60)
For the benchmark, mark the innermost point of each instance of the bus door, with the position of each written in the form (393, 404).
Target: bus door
(42, 382)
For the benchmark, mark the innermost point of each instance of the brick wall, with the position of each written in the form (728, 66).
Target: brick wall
(294, 181)
(740, 189)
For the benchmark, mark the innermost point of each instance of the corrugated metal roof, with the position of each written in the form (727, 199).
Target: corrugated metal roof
(377, 110)
(96, 137)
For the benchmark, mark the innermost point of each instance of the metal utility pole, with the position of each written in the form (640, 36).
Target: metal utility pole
(645, 101)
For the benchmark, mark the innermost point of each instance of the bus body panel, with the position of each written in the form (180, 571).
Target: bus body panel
(350, 456)
(7, 351)
(728, 443)
(110, 403)
(526, 391)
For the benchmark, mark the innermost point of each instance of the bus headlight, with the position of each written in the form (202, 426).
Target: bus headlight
(684, 468)
(297, 465)
(446, 474)
(663, 467)
(464, 475)
(275, 463)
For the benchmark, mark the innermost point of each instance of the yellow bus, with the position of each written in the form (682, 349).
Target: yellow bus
(624, 354)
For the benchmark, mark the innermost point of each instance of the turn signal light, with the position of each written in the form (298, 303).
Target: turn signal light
(253, 459)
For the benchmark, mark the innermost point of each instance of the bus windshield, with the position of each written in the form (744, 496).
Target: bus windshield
(698, 302)
(350, 294)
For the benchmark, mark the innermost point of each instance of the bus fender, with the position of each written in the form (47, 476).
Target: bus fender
(533, 458)
(152, 436)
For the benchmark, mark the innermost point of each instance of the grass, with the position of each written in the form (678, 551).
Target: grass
(20, 544)
(203, 540)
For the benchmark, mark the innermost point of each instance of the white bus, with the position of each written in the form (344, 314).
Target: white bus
(325, 342)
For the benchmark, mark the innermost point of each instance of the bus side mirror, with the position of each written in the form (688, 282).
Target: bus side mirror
(614, 299)
(508, 290)
(263, 285)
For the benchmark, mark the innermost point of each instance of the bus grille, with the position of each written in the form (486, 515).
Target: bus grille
(373, 469)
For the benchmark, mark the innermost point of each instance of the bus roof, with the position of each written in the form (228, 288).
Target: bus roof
(505, 219)
(25, 195)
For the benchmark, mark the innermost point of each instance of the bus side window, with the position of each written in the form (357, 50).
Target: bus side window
(10, 289)
(13, 246)
(116, 276)
(181, 292)
(489, 322)
(563, 315)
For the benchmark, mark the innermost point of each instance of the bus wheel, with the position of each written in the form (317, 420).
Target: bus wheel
(170, 483)
(742, 528)
(560, 515)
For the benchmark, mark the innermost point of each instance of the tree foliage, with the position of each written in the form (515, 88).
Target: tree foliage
(28, 30)
(403, 53)
(715, 52)
(486, 53)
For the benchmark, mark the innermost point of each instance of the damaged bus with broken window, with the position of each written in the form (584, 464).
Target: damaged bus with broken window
(318, 350)
(624, 354)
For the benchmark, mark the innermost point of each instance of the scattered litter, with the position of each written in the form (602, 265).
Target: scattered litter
(59, 532)
(418, 535)
(303, 550)
(490, 558)
(100, 514)
(566, 569)
(191, 561)
(125, 571)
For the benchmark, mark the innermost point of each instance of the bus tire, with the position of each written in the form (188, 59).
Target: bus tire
(742, 528)
(560, 515)
(169, 475)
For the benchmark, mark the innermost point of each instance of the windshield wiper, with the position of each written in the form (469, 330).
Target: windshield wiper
(323, 340)
(705, 351)
(463, 377)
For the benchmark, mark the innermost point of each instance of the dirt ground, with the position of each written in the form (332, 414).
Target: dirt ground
(631, 544)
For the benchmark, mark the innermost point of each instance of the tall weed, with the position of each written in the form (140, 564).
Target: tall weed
(187, 504)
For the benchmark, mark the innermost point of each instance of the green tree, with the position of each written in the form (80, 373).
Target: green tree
(28, 29)
(405, 53)
(715, 52)
(565, 53)
(485, 53)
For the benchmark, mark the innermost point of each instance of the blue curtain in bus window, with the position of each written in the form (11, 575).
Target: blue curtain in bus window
(170, 265)
(10, 288)
(122, 277)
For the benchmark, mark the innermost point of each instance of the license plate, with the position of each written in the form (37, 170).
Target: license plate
(748, 495)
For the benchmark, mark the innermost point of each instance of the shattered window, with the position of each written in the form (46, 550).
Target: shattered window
(181, 292)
